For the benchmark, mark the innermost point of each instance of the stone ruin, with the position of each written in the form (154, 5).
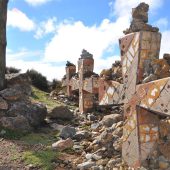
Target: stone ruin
(144, 92)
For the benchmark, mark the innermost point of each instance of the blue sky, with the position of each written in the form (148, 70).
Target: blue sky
(44, 34)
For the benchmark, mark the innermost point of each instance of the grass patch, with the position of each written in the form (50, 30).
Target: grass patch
(10, 134)
(41, 159)
(39, 138)
(43, 97)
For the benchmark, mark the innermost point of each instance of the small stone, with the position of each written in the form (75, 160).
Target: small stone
(85, 165)
(63, 144)
(96, 157)
(94, 126)
(67, 132)
(89, 156)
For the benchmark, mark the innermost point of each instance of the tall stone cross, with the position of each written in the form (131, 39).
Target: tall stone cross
(85, 83)
(143, 101)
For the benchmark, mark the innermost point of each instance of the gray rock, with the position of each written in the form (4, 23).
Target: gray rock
(88, 156)
(82, 135)
(56, 126)
(67, 132)
(19, 123)
(96, 157)
(85, 165)
(61, 112)
(34, 113)
(91, 117)
(109, 120)
(94, 126)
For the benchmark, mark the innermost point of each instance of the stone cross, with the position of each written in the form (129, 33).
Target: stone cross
(85, 83)
(147, 91)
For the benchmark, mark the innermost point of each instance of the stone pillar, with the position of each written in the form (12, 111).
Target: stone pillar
(85, 67)
(141, 126)
(70, 71)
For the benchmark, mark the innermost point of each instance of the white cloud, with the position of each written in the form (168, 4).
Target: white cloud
(37, 2)
(46, 27)
(18, 19)
(17, 60)
(165, 45)
(71, 38)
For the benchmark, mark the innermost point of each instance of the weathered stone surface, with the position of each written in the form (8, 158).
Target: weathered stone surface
(3, 104)
(109, 120)
(81, 135)
(34, 113)
(67, 132)
(63, 144)
(11, 94)
(19, 123)
(61, 112)
(140, 19)
(85, 165)
(13, 79)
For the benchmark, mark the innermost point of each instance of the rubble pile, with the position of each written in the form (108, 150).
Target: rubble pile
(114, 73)
(95, 139)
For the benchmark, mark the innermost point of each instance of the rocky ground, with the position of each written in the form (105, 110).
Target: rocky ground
(66, 139)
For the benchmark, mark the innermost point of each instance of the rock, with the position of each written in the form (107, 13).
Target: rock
(91, 117)
(3, 104)
(105, 137)
(61, 112)
(18, 78)
(163, 165)
(151, 77)
(67, 132)
(89, 156)
(19, 123)
(82, 135)
(11, 94)
(63, 144)
(95, 126)
(97, 168)
(109, 120)
(167, 58)
(35, 113)
(85, 165)
(56, 126)
(102, 162)
(96, 157)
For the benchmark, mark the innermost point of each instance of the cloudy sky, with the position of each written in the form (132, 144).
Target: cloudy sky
(44, 34)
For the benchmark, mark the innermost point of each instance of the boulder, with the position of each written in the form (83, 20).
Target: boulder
(109, 120)
(63, 144)
(18, 78)
(67, 132)
(3, 104)
(11, 94)
(61, 112)
(35, 113)
(19, 123)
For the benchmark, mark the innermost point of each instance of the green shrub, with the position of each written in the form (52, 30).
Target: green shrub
(38, 80)
(10, 70)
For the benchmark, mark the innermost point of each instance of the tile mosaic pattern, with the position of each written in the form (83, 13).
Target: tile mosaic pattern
(110, 92)
(141, 131)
